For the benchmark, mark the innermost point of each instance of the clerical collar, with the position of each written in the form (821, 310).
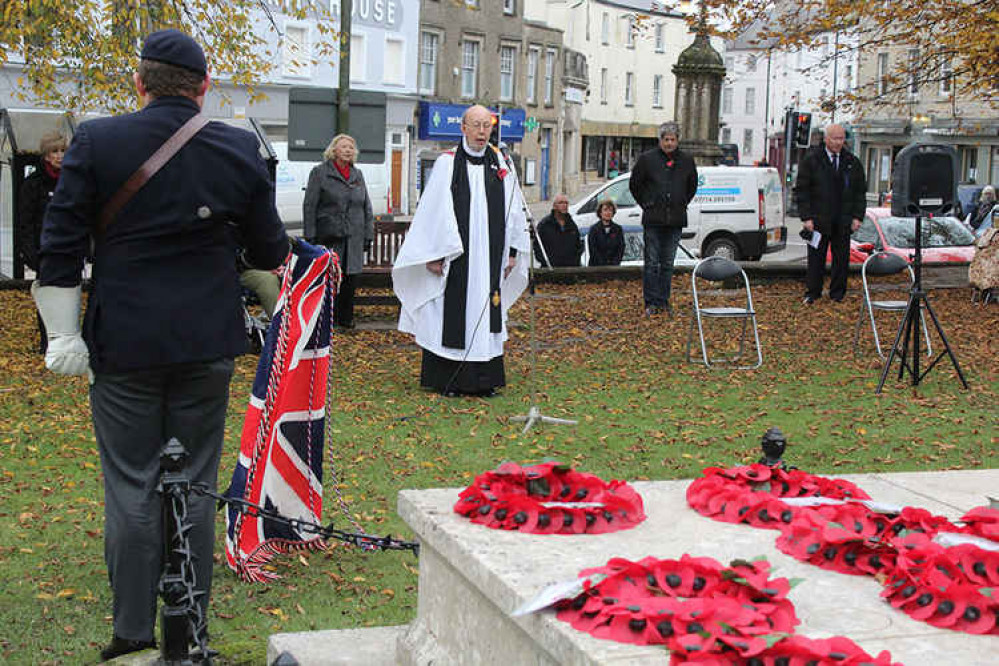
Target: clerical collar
(470, 152)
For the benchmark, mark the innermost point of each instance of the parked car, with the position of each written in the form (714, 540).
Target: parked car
(634, 248)
(738, 212)
(945, 239)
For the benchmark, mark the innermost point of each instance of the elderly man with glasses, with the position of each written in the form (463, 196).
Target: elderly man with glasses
(463, 264)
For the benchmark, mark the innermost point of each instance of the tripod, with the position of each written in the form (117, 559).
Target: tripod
(534, 414)
(908, 330)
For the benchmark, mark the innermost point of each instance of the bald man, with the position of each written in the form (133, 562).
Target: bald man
(558, 233)
(831, 196)
(463, 264)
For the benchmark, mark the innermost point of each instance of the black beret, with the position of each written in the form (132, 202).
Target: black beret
(175, 48)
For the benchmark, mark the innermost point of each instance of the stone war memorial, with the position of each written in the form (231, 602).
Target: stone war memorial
(753, 564)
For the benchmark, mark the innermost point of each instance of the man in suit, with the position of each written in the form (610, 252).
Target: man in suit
(163, 320)
(831, 196)
(663, 182)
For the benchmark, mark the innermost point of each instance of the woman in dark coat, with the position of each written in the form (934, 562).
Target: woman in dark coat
(36, 192)
(337, 214)
(606, 237)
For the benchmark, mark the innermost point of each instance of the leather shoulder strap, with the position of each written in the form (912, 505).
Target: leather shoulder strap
(148, 169)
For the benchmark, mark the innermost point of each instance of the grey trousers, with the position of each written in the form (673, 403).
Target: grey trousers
(134, 414)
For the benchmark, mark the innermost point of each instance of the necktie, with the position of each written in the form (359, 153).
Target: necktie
(835, 161)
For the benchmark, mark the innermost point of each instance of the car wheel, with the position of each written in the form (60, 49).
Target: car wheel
(722, 247)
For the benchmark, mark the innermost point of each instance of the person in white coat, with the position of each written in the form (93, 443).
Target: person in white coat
(463, 264)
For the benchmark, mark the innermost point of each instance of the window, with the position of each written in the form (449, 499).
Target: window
(946, 76)
(867, 233)
(730, 64)
(660, 38)
(296, 56)
(848, 78)
(727, 95)
(750, 101)
(605, 29)
(472, 3)
(533, 55)
(394, 71)
(747, 142)
(469, 67)
(430, 42)
(510, 7)
(726, 135)
(629, 38)
(550, 76)
(751, 63)
(508, 59)
(882, 75)
(913, 85)
(358, 65)
(603, 85)
(629, 89)
(825, 46)
(657, 91)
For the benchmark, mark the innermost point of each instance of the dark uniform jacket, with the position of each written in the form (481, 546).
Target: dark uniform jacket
(563, 245)
(664, 186)
(337, 213)
(165, 284)
(606, 247)
(36, 191)
(828, 198)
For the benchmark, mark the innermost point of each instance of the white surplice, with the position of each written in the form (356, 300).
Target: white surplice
(433, 234)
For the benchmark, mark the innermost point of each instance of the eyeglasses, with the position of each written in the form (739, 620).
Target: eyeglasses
(479, 126)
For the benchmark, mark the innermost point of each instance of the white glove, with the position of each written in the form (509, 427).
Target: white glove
(60, 309)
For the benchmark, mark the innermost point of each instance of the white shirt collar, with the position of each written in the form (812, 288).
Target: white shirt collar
(473, 153)
(832, 155)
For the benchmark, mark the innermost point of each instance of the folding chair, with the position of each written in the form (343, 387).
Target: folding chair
(883, 264)
(719, 269)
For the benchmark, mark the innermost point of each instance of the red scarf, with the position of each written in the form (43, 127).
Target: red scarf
(51, 171)
(344, 170)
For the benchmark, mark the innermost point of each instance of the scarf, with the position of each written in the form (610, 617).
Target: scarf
(456, 290)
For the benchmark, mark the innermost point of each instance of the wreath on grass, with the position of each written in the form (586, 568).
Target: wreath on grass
(932, 569)
(704, 612)
(550, 498)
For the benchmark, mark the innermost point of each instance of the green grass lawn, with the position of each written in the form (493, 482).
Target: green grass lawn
(643, 414)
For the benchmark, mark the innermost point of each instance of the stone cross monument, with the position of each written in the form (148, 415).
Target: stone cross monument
(699, 72)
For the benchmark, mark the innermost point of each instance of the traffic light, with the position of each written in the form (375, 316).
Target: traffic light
(802, 129)
(494, 134)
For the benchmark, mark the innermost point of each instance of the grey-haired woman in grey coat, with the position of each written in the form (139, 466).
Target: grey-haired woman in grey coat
(337, 214)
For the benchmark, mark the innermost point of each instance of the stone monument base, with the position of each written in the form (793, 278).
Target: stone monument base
(472, 577)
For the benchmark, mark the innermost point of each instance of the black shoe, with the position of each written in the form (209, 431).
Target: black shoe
(653, 311)
(808, 300)
(836, 299)
(119, 646)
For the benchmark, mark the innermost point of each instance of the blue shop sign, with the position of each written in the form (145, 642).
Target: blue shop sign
(443, 122)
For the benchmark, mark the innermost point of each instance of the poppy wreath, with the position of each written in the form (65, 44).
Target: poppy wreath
(550, 498)
(704, 612)
(955, 587)
(752, 494)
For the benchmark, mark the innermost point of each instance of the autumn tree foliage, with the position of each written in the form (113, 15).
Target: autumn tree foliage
(79, 55)
(953, 42)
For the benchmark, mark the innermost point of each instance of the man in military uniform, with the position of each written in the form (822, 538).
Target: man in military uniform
(163, 320)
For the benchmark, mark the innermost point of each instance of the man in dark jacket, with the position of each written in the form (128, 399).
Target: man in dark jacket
(663, 182)
(163, 320)
(559, 235)
(831, 196)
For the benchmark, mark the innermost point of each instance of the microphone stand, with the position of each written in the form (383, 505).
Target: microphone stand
(534, 414)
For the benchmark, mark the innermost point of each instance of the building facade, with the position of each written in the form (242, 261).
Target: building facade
(763, 83)
(484, 52)
(924, 104)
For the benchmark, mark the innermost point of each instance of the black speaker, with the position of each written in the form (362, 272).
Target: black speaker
(924, 181)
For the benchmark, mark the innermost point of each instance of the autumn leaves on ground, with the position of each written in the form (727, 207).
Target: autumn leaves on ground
(643, 414)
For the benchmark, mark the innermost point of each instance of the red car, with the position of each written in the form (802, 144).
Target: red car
(945, 239)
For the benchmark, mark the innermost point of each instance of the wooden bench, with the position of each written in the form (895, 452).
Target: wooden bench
(378, 261)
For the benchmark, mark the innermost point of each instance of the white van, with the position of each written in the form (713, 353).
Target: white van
(292, 177)
(738, 212)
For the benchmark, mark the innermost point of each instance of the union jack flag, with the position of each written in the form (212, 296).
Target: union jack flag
(281, 448)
